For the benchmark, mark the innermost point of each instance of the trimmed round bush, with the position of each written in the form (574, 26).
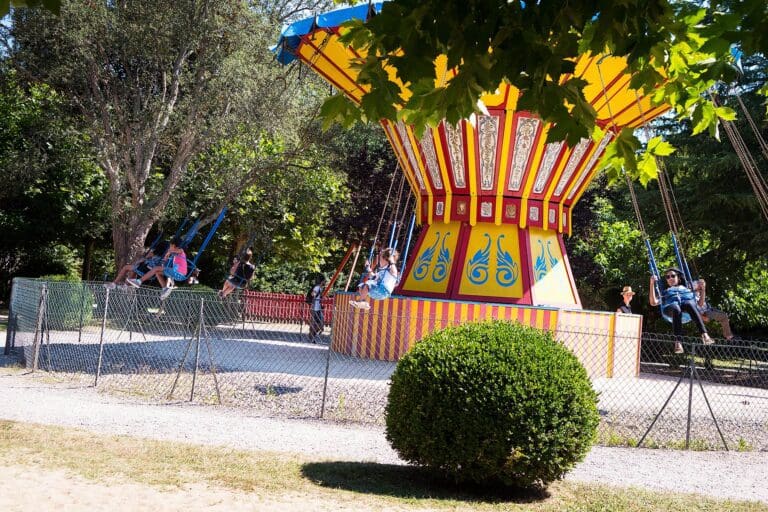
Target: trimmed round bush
(492, 403)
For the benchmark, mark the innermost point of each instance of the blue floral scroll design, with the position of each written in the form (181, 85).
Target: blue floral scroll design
(507, 270)
(552, 260)
(540, 266)
(477, 267)
(440, 272)
(421, 270)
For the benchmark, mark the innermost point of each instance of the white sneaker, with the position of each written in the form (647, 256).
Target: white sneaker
(360, 304)
(707, 339)
(110, 286)
(136, 283)
(166, 292)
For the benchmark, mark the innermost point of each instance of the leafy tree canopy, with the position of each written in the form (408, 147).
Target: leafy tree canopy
(156, 84)
(678, 49)
(52, 5)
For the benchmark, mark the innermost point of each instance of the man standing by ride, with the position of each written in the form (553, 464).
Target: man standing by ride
(627, 295)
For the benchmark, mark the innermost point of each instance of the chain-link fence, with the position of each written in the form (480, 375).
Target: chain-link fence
(195, 346)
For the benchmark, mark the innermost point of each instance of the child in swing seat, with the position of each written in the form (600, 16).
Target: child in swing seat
(378, 284)
(175, 261)
(239, 274)
(141, 266)
(676, 299)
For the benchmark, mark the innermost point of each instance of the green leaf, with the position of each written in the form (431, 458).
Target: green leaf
(658, 147)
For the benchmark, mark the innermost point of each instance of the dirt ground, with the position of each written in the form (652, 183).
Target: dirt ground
(24, 488)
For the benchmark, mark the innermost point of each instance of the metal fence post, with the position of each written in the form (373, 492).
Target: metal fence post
(10, 333)
(39, 326)
(197, 348)
(101, 338)
(211, 363)
(691, 375)
(327, 363)
(325, 380)
(82, 307)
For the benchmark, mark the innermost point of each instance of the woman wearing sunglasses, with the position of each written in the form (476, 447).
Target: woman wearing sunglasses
(677, 298)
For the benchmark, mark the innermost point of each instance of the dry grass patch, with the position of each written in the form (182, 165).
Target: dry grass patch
(290, 481)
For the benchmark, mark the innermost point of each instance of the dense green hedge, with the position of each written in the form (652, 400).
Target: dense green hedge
(184, 302)
(70, 302)
(492, 403)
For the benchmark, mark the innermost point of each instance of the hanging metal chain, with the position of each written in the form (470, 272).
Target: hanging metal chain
(748, 163)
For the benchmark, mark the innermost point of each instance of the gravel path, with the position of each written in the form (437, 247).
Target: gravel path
(29, 398)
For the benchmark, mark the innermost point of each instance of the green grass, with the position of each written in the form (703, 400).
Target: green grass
(294, 480)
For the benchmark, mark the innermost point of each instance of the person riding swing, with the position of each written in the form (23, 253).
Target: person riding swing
(240, 274)
(676, 299)
(379, 283)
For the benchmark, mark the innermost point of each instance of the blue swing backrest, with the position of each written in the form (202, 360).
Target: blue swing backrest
(169, 270)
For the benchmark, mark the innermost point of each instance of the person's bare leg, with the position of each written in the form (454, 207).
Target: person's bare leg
(226, 289)
(721, 317)
(123, 274)
(154, 272)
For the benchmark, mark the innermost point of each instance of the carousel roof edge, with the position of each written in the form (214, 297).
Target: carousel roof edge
(292, 33)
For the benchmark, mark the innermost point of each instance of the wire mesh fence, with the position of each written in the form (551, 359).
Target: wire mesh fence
(194, 346)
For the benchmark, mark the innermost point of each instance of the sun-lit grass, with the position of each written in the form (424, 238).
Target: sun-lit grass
(366, 486)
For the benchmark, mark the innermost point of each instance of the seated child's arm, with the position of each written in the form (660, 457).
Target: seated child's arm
(392, 267)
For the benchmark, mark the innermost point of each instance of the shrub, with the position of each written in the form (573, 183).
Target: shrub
(492, 403)
(70, 302)
(185, 303)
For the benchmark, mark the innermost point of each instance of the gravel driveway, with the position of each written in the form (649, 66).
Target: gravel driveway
(31, 398)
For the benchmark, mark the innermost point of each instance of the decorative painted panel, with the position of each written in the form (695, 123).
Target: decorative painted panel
(573, 162)
(524, 137)
(590, 164)
(403, 131)
(431, 266)
(551, 284)
(456, 151)
(428, 146)
(488, 133)
(551, 153)
(492, 267)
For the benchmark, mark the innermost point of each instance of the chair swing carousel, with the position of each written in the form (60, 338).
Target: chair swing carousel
(493, 199)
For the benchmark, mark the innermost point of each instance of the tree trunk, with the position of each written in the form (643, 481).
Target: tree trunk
(87, 272)
(129, 243)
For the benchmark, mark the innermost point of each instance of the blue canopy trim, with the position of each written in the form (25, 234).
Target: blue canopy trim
(290, 37)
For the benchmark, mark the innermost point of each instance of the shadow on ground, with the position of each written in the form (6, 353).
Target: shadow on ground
(10, 360)
(410, 482)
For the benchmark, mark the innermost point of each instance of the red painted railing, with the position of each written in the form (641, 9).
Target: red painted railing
(282, 307)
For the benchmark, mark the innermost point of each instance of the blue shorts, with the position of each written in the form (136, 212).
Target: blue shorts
(237, 282)
(174, 274)
(378, 291)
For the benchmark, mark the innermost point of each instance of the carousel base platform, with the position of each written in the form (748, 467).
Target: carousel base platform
(607, 344)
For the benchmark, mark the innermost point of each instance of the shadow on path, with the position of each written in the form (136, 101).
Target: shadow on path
(409, 482)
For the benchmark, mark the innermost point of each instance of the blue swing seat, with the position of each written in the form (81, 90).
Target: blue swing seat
(170, 269)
